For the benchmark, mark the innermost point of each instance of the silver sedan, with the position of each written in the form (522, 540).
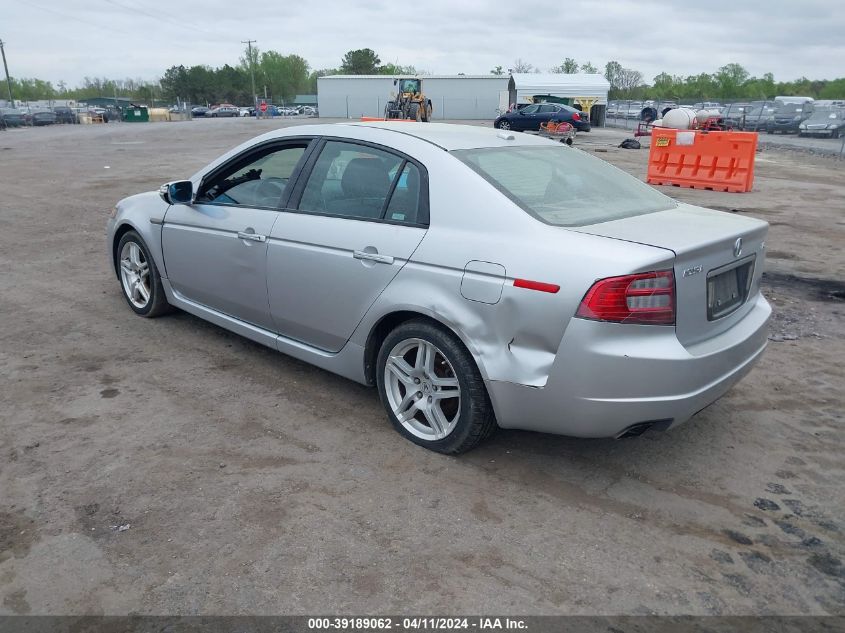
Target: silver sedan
(479, 278)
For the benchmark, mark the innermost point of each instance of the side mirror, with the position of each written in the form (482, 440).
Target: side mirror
(177, 192)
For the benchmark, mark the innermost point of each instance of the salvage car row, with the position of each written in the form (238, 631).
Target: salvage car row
(785, 115)
(17, 117)
(227, 110)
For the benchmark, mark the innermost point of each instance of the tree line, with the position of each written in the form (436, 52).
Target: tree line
(281, 77)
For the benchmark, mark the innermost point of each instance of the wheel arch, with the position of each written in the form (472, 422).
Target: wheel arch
(150, 237)
(389, 322)
(119, 232)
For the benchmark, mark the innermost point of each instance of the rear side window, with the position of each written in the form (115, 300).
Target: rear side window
(405, 202)
(350, 180)
(563, 186)
(365, 182)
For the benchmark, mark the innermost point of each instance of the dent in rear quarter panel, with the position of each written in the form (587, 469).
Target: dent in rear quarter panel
(511, 340)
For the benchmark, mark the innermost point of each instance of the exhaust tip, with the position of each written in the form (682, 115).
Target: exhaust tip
(635, 430)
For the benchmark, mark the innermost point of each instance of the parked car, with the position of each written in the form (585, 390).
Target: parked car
(246, 111)
(824, 122)
(96, 112)
(476, 278)
(65, 114)
(224, 111)
(531, 116)
(758, 117)
(733, 115)
(633, 110)
(12, 117)
(787, 117)
(41, 116)
(199, 112)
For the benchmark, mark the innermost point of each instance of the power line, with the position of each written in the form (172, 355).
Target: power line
(73, 17)
(155, 17)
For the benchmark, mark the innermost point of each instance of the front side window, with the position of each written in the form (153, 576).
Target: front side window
(530, 109)
(258, 180)
(351, 180)
(562, 186)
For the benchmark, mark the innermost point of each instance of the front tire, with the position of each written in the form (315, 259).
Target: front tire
(503, 125)
(432, 390)
(139, 277)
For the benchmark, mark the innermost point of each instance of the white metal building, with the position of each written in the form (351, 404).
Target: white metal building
(587, 90)
(452, 96)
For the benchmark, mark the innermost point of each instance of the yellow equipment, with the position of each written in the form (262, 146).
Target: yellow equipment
(409, 102)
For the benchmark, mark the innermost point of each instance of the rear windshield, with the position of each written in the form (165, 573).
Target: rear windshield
(564, 186)
(789, 108)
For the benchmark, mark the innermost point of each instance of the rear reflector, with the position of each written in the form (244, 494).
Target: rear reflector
(644, 298)
(535, 285)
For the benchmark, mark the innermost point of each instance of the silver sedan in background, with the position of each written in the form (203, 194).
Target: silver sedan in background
(479, 278)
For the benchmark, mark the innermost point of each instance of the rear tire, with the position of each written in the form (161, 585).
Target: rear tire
(427, 377)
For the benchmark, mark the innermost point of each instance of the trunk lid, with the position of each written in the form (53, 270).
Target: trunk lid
(715, 275)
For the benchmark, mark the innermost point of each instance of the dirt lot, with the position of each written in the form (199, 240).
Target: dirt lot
(167, 466)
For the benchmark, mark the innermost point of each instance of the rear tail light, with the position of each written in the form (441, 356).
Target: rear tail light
(576, 116)
(644, 298)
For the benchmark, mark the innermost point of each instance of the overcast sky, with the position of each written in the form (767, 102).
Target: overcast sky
(70, 39)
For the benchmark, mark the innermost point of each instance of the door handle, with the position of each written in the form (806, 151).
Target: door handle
(373, 257)
(253, 237)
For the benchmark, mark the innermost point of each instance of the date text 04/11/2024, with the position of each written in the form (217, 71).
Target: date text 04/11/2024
(416, 623)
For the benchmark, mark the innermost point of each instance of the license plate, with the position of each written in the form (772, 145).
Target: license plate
(728, 289)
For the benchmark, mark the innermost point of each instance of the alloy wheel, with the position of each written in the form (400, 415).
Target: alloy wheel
(504, 125)
(135, 275)
(422, 389)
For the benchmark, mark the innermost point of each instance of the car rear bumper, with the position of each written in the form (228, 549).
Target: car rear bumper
(609, 377)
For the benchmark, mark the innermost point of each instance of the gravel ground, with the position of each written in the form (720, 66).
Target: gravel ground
(167, 466)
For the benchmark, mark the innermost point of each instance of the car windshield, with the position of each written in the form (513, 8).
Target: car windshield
(826, 114)
(562, 186)
(789, 108)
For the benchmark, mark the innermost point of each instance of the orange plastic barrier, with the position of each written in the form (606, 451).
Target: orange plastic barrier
(720, 161)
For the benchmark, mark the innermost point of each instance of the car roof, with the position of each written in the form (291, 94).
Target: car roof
(451, 136)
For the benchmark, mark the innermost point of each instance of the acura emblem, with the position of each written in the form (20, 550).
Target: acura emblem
(738, 247)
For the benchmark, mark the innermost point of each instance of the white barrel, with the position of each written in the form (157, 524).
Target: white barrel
(679, 118)
(703, 115)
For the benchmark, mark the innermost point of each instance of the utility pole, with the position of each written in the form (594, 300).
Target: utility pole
(8, 80)
(249, 43)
